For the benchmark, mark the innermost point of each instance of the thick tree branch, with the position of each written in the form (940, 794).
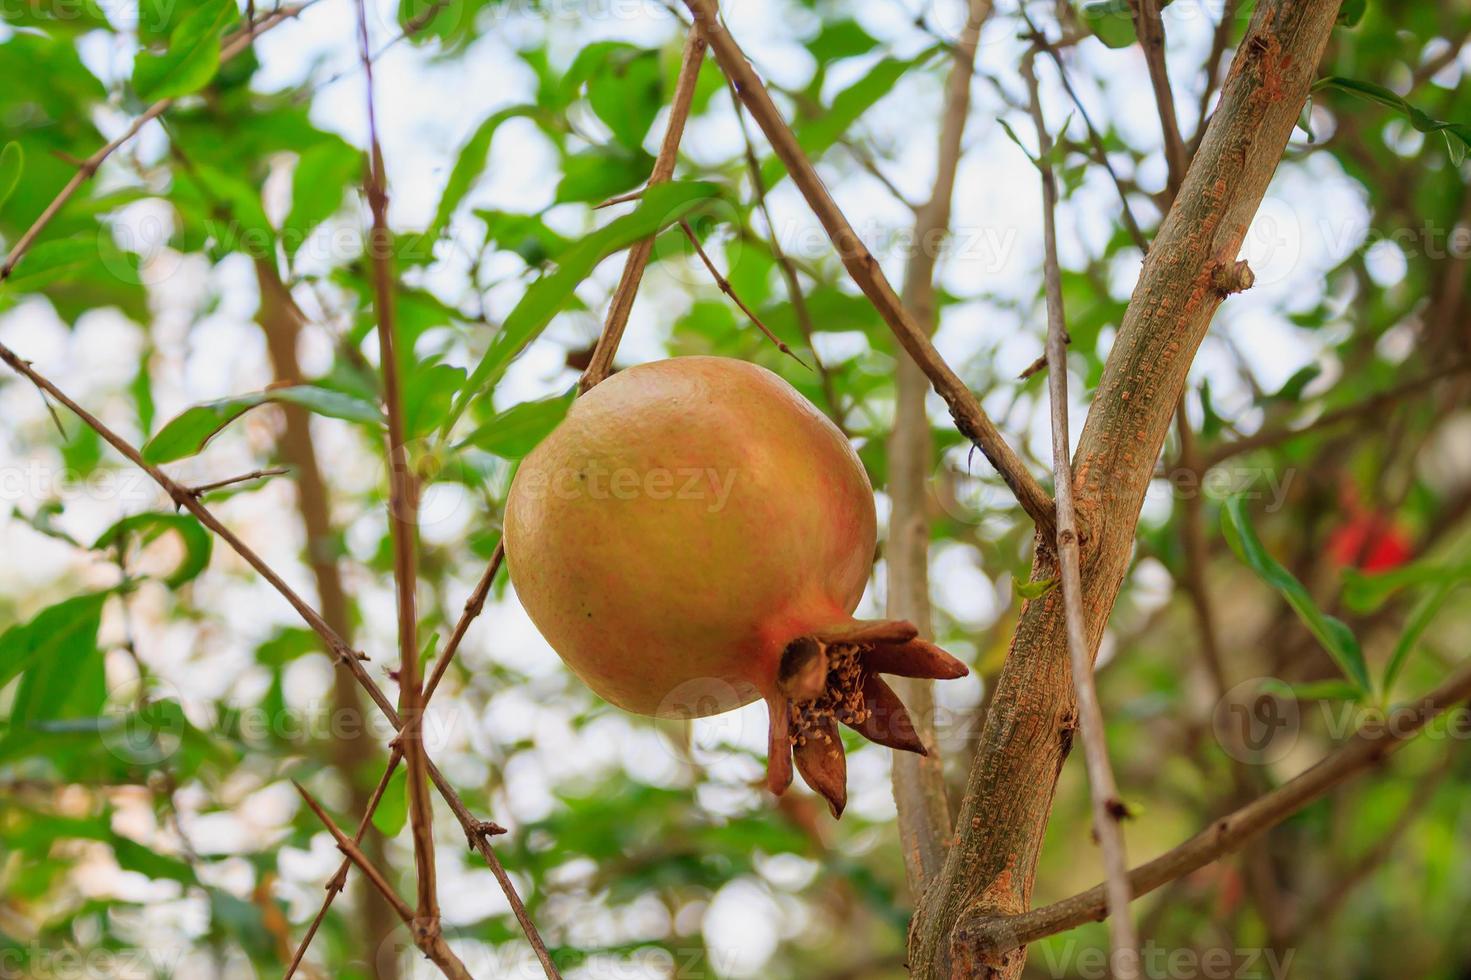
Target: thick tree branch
(1367, 749)
(230, 47)
(970, 418)
(1027, 737)
(1108, 810)
(924, 814)
(619, 309)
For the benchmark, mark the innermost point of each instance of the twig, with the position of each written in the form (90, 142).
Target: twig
(726, 288)
(1219, 39)
(619, 309)
(1151, 31)
(1094, 140)
(1108, 811)
(969, 416)
(430, 942)
(204, 488)
(229, 48)
(788, 269)
(403, 516)
(633, 195)
(1371, 744)
(1040, 364)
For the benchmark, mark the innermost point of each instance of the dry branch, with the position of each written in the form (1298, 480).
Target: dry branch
(1027, 737)
(970, 418)
(1108, 811)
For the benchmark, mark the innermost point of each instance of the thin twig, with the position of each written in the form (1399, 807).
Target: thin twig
(969, 416)
(633, 195)
(802, 314)
(403, 514)
(1371, 744)
(204, 488)
(621, 306)
(1219, 39)
(1151, 31)
(230, 47)
(725, 287)
(1108, 811)
(430, 942)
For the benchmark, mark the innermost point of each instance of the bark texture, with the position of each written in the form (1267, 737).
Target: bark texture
(1029, 729)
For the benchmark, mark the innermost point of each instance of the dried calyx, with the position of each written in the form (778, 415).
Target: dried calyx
(830, 677)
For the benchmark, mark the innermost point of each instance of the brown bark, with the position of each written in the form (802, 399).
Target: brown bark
(281, 322)
(1028, 733)
(925, 817)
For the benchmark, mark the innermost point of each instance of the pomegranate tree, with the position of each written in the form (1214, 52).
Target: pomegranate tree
(696, 535)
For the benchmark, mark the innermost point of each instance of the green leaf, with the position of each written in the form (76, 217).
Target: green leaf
(516, 431)
(12, 161)
(626, 94)
(189, 431)
(1292, 390)
(1333, 634)
(1352, 12)
(393, 809)
(193, 54)
(149, 526)
(469, 165)
(818, 135)
(1420, 618)
(525, 234)
(1457, 135)
(52, 260)
(601, 172)
(660, 206)
(1033, 590)
(322, 176)
(1111, 21)
(60, 668)
(59, 632)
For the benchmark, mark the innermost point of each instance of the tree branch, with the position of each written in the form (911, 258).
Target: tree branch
(601, 364)
(1151, 31)
(403, 515)
(1108, 811)
(431, 943)
(1369, 746)
(1027, 737)
(230, 47)
(970, 418)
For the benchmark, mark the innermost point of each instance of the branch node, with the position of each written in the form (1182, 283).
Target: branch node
(1234, 278)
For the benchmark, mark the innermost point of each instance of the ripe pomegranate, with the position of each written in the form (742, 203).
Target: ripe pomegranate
(696, 535)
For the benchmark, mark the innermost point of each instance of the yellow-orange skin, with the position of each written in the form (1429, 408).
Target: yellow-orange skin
(686, 521)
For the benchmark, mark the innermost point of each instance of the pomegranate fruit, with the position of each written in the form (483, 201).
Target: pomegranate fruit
(696, 535)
